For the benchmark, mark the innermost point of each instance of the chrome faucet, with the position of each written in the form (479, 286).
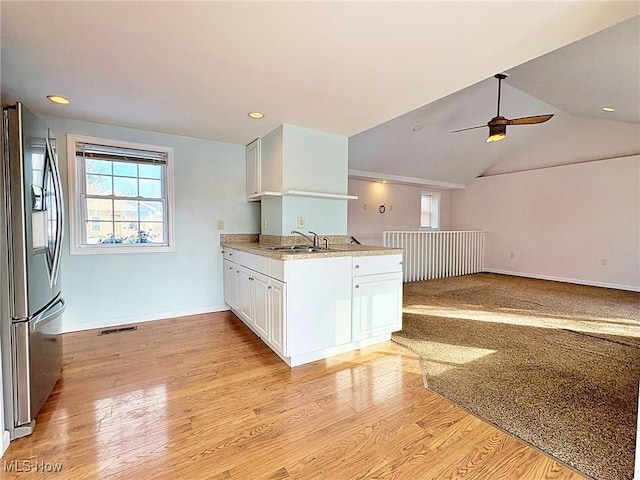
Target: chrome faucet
(313, 240)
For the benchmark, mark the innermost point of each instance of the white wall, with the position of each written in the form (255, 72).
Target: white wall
(559, 222)
(209, 185)
(402, 209)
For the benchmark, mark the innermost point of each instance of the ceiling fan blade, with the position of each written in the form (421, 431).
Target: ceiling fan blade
(470, 128)
(530, 120)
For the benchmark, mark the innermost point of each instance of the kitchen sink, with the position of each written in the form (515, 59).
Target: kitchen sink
(296, 249)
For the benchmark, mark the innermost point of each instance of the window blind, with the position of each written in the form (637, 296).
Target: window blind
(108, 152)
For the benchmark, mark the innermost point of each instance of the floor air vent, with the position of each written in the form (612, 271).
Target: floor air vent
(118, 330)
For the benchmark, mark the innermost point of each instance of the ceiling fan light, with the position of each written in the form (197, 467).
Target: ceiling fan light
(496, 138)
(59, 99)
(497, 133)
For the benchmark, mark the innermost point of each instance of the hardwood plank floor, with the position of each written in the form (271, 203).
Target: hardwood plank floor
(202, 398)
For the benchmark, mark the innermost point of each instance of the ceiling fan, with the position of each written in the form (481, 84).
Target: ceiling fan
(498, 125)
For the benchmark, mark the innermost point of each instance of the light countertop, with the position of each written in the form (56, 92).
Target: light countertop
(335, 250)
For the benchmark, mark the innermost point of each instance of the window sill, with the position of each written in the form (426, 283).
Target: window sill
(111, 250)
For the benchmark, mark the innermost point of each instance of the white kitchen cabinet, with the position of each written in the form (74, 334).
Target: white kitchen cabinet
(256, 298)
(254, 183)
(377, 305)
(311, 308)
(377, 295)
(228, 276)
(260, 303)
(245, 297)
(277, 318)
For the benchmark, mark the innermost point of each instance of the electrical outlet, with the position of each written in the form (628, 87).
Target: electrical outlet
(300, 222)
(511, 255)
(264, 225)
(364, 206)
(220, 224)
(603, 262)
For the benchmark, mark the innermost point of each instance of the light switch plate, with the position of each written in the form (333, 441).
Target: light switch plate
(220, 224)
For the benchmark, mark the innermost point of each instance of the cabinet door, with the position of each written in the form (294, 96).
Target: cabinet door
(228, 273)
(277, 318)
(235, 291)
(260, 290)
(245, 301)
(253, 169)
(377, 305)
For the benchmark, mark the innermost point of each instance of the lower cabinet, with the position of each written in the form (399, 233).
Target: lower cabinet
(377, 295)
(228, 279)
(260, 304)
(258, 300)
(277, 324)
(324, 305)
(245, 297)
(377, 305)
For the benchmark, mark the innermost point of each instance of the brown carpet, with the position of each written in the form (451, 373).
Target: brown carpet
(555, 364)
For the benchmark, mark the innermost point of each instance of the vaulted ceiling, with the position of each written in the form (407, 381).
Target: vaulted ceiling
(573, 83)
(198, 68)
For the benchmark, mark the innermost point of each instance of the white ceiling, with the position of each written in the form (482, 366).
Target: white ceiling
(198, 68)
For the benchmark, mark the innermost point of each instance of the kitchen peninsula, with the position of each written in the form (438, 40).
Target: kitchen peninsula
(310, 305)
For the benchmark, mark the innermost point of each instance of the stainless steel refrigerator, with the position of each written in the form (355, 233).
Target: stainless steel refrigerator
(32, 227)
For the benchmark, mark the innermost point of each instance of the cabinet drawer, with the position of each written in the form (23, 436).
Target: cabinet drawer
(254, 262)
(375, 264)
(229, 254)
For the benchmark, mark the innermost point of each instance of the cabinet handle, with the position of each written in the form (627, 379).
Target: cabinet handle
(269, 287)
(400, 263)
(250, 278)
(357, 286)
(357, 266)
(230, 268)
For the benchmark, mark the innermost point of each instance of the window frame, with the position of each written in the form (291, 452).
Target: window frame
(434, 221)
(75, 171)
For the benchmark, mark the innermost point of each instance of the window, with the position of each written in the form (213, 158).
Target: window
(429, 210)
(120, 196)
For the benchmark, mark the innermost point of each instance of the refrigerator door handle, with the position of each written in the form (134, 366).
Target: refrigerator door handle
(55, 172)
(52, 312)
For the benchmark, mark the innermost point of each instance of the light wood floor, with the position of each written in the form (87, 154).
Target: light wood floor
(202, 398)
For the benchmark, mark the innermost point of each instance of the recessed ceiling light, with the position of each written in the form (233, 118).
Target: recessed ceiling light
(256, 114)
(608, 109)
(59, 99)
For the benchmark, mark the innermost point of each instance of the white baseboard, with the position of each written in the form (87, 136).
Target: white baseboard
(114, 322)
(336, 350)
(6, 438)
(632, 288)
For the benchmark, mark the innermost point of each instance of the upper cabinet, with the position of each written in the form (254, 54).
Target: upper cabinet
(298, 161)
(253, 170)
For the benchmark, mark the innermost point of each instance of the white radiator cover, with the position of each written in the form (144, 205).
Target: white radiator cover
(438, 254)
